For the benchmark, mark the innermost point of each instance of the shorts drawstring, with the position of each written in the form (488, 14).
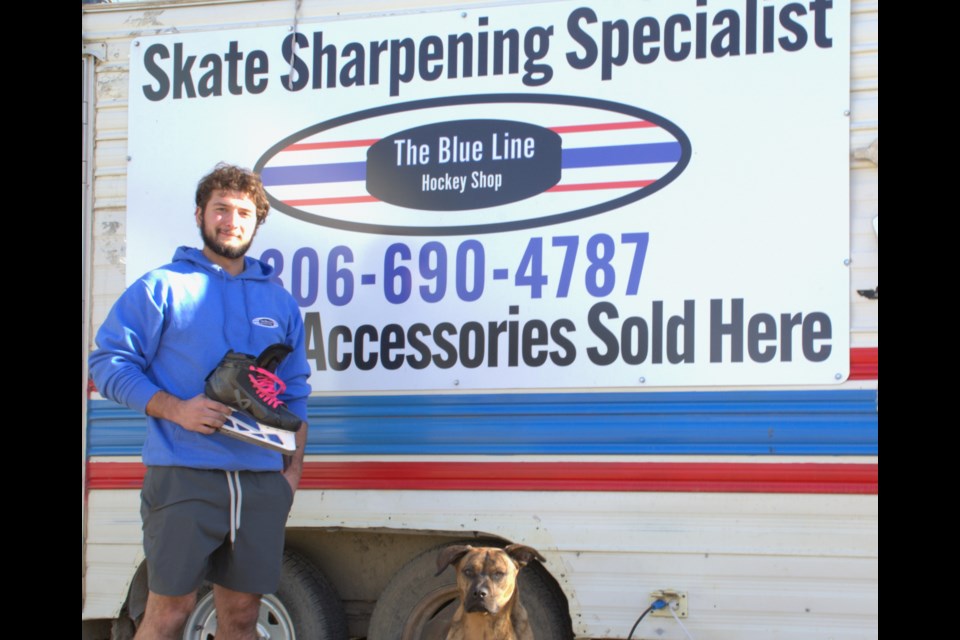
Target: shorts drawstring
(236, 502)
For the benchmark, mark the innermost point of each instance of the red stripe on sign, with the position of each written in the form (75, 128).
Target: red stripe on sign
(575, 128)
(339, 144)
(323, 201)
(705, 477)
(865, 363)
(606, 126)
(626, 184)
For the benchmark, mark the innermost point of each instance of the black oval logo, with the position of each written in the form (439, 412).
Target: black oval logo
(345, 173)
(463, 164)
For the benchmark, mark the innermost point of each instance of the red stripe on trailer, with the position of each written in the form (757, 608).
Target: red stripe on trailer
(692, 477)
(865, 363)
(115, 475)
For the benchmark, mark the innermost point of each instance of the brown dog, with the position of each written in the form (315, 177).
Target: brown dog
(490, 607)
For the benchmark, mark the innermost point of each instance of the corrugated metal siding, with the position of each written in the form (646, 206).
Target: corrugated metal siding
(754, 422)
(114, 551)
(752, 567)
(109, 173)
(766, 567)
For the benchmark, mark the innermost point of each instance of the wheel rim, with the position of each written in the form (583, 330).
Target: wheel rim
(431, 616)
(273, 622)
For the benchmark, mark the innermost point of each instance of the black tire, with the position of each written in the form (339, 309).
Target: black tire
(417, 605)
(305, 607)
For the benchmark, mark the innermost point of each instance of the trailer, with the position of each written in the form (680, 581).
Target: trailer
(596, 277)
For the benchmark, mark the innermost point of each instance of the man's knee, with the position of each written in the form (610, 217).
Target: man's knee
(165, 616)
(237, 612)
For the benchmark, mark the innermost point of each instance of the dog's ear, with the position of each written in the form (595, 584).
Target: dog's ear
(523, 554)
(450, 555)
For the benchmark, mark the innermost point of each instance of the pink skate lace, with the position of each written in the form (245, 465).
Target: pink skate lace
(267, 386)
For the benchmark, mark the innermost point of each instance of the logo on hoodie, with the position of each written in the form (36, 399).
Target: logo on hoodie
(269, 323)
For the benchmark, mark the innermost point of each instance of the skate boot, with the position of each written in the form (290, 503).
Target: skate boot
(249, 386)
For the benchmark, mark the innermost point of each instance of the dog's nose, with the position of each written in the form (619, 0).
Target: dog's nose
(480, 593)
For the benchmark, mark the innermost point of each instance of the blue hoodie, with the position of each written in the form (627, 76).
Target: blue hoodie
(171, 327)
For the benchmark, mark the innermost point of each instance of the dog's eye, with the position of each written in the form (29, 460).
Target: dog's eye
(469, 573)
(498, 575)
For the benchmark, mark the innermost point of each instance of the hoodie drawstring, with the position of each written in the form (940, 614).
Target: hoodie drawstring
(236, 502)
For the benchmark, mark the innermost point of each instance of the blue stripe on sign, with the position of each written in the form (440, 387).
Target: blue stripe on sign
(314, 173)
(839, 422)
(621, 154)
(572, 159)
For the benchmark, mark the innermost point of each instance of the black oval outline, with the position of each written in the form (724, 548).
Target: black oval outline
(494, 98)
(519, 124)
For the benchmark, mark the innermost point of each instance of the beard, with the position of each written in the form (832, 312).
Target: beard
(221, 249)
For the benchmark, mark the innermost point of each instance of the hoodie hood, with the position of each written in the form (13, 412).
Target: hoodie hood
(253, 269)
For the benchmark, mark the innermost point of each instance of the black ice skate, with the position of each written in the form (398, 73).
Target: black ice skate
(249, 386)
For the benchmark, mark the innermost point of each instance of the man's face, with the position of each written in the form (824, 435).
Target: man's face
(228, 223)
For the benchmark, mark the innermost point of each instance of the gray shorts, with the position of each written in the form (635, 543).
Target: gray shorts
(187, 533)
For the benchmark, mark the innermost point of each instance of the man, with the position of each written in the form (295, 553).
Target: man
(163, 336)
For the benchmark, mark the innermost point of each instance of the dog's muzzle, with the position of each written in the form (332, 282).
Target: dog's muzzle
(480, 601)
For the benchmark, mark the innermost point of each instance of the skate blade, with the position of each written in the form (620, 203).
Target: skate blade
(260, 434)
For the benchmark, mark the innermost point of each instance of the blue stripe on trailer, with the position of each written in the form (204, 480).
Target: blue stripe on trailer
(841, 422)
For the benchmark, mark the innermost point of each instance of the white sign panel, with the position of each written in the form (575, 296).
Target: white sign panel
(553, 195)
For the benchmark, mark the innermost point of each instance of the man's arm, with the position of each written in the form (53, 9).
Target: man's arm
(126, 343)
(199, 413)
(295, 373)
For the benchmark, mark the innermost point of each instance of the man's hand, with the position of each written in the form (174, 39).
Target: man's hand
(293, 464)
(199, 413)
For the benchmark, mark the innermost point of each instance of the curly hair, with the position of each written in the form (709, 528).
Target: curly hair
(228, 177)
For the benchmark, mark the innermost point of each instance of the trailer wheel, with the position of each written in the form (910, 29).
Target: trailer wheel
(417, 605)
(305, 606)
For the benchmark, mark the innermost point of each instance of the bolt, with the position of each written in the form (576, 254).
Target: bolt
(846, 112)
(846, 262)
(136, 43)
(463, 15)
(456, 383)
(642, 380)
(838, 376)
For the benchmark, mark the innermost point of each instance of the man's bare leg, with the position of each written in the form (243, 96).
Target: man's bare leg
(165, 616)
(237, 614)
